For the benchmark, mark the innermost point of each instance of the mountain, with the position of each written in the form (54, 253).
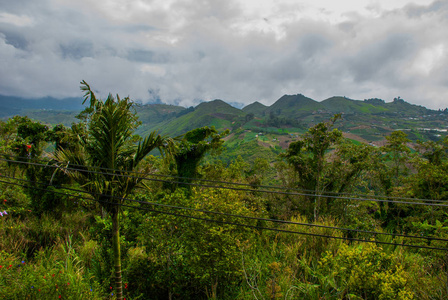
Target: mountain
(255, 108)
(293, 106)
(214, 113)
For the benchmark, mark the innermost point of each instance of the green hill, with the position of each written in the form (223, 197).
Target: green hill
(155, 116)
(214, 113)
(401, 107)
(294, 106)
(255, 108)
(156, 113)
(349, 106)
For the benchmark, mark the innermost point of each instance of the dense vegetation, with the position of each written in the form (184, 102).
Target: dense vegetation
(88, 213)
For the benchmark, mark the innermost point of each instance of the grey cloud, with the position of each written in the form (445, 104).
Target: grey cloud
(203, 9)
(312, 45)
(195, 50)
(148, 56)
(417, 11)
(77, 50)
(371, 60)
(15, 38)
(133, 28)
(346, 26)
(21, 6)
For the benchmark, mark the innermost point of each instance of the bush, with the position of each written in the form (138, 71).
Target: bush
(364, 271)
(53, 273)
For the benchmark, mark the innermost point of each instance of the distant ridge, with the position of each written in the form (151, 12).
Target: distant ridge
(10, 105)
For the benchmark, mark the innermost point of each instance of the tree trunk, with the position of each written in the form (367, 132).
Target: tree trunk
(117, 252)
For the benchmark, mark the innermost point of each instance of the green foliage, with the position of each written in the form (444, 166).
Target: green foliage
(192, 148)
(365, 273)
(397, 152)
(54, 273)
(107, 154)
(29, 139)
(248, 149)
(28, 147)
(188, 256)
(8, 133)
(307, 155)
(34, 233)
(431, 179)
(279, 122)
(320, 169)
(108, 143)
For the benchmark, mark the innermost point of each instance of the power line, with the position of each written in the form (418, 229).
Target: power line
(253, 226)
(326, 194)
(237, 189)
(237, 216)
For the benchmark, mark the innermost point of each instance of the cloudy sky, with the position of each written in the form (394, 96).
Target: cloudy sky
(185, 51)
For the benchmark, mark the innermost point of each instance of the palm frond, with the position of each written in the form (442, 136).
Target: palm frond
(88, 93)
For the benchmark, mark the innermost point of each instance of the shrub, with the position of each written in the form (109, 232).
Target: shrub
(365, 271)
(52, 274)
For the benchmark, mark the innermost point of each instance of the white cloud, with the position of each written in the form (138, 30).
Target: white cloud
(17, 20)
(428, 59)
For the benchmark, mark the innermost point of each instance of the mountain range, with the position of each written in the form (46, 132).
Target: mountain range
(256, 126)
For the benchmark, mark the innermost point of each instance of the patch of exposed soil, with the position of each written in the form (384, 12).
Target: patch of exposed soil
(381, 143)
(228, 137)
(264, 144)
(355, 137)
(285, 140)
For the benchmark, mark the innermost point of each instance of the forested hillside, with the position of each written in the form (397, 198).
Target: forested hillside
(298, 200)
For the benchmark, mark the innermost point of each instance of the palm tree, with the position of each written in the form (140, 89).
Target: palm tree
(108, 153)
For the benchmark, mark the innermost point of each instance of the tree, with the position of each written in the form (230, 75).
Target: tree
(192, 148)
(31, 138)
(324, 163)
(397, 155)
(430, 181)
(106, 155)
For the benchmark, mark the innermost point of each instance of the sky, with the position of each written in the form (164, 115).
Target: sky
(183, 52)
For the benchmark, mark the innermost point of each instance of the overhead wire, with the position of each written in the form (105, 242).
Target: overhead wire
(234, 188)
(327, 194)
(374, 233)
(254, 226)
(268, 186)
